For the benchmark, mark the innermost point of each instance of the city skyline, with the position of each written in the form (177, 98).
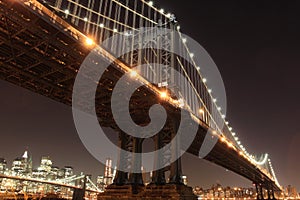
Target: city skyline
(250, 57)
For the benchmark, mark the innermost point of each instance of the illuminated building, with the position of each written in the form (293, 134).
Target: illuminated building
(18, 166)
(46, 164)
(219, 192)
(68, 171)
(22, 165)
(3, 164)
(108, 176)
(100, 182)
(44, 170)
(54, 173)
(184, 179)
(291, 192)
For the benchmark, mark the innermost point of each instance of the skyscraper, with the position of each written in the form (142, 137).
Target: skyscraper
(3, 164)
(22, 165)
(108, 176)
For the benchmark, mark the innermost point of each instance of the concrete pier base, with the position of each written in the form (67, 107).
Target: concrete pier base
(150, 192)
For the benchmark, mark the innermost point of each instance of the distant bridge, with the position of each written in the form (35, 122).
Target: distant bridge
(53, 182)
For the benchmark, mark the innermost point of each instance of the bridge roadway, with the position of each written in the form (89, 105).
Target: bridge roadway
(20, 178)
(41, 52)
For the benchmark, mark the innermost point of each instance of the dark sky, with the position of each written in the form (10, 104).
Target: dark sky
(256, 47)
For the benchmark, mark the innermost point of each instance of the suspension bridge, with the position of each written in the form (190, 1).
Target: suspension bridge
(66, 182)
(44, 43)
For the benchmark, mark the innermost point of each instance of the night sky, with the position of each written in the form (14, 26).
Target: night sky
(256, 47)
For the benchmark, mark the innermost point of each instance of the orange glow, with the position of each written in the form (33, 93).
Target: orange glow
(133, 73)
(89, 41)
(201, 111)
(163, 95)
(229, 144)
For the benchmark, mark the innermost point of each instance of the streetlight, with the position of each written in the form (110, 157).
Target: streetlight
(89, 41)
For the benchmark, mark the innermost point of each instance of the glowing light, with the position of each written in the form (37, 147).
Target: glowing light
(229, 144)
(192, 55)
(181, 102)
(219, 108)
(233, 133)
(101, 25)
(169, 15)
(133, 73)
(162, 10)
(150, 3)
(223, 116)
(178, 27)
(209, 90)
(204, 80)
(115, 30)
(215, 100)
(223, 139)
(230, 128)
(198, 68)
(163, 95)
(226, 122)
(184, 40)
(85, 19)
(67, 12)
(241, 153)
(263, 161)
(89, 41)
(201, 111)
(236, 138)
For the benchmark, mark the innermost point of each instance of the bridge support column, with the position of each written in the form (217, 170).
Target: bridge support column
(121, 177)
(176, 169)
(259, 191)
(271, 194)
(136, 178)
(158, 177)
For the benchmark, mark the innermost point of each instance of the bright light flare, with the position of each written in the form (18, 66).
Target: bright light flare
(89, 41)
(229, 144)
(150, 3)
(133, 73)
(201, 111)
(163, 95)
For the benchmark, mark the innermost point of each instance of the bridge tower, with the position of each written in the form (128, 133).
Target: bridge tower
(260, 191)
(131, 185)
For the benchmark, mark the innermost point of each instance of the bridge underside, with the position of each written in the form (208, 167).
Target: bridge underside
(44, 57)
